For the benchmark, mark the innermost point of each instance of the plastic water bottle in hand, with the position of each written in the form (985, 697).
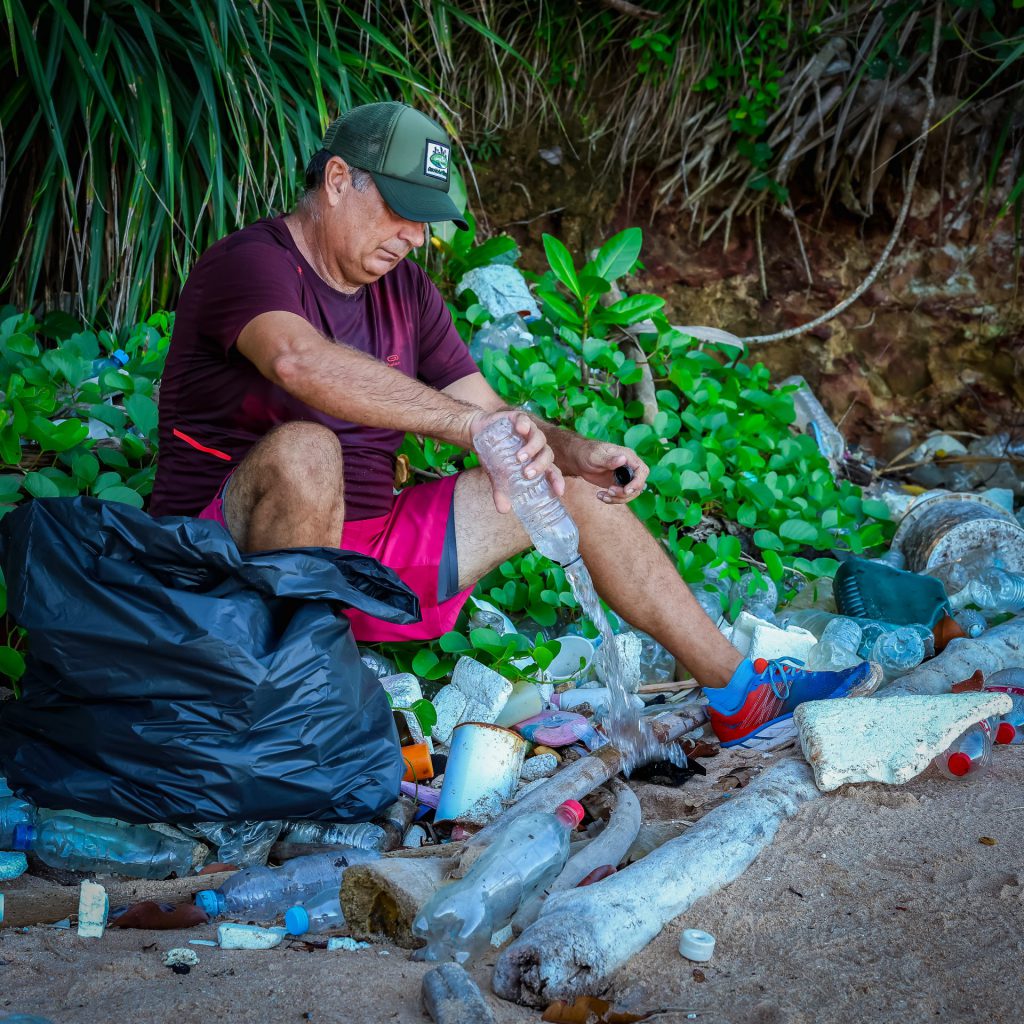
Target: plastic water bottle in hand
(526, 857)
(544, 517)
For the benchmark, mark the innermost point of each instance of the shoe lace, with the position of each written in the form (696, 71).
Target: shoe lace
(780, 673)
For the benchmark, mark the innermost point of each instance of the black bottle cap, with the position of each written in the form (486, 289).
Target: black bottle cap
(623, 474)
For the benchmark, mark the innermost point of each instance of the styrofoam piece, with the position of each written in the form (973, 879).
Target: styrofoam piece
(93, 907)
(346, 943)
(12, 865)
(582, 936)
(475, 694)
(630, 648)
(181, 957)
(696, 945)
(202, 942)
(249, 936)
(862, 739)
(484, 765)
(768, 641)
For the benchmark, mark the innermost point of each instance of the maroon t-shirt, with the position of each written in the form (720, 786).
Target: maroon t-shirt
(215, 404)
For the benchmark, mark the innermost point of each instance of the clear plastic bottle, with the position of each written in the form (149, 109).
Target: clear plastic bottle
(711, 591)
(81, 844)
(544, 517)
(812, 419)
(897, 651)
(968, 755)
(500, 335)
(241, 843)
(993, 590)
(816, 621)
(1011, 682)
(363, 835)
(320, 913)
(458, 921)
(761, 602)
(838, 646)
(972, 622)
(263, 893)
(14, 812)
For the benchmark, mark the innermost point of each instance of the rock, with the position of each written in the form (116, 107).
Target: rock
(475, 694)
(862, 739)
(450, 996)
(346, 943)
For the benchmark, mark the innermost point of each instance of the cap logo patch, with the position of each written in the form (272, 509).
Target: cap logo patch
(436, 160)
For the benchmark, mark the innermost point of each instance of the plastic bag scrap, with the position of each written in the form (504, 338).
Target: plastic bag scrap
(171, 678)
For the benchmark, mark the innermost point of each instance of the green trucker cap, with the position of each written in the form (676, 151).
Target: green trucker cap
(407, 153)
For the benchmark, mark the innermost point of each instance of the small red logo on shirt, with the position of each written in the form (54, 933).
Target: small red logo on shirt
(392, 360)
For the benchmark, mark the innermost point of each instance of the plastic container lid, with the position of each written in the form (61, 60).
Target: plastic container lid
(575, 808)
(208, 900)
(1005, 732)
(959, 763)
(24, 837)
(296, 920)
(696, 945)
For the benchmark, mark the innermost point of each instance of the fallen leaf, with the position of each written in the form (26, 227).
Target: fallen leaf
(988, 841)
(698, 975)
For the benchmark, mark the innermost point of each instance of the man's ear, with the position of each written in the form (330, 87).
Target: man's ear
(337, 179)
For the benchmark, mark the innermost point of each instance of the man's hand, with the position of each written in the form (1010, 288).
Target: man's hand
(596, 462)
(535, 455)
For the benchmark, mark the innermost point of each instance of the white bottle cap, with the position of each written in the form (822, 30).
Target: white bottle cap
(696, 945)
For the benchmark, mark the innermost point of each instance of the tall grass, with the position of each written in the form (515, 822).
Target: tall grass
(135, 134)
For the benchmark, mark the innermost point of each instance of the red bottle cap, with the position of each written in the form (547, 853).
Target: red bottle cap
(959, 763)
(1005, 732)
(575, 809)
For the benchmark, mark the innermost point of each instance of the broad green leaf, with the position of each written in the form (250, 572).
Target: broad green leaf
(876, 509)
(424, 661)
(40, 486)
(122, 494)
(617, 256)
(143, 412)
(454, 643)
(799, 531)
(12, 664)
(767, 541)
(561, 264)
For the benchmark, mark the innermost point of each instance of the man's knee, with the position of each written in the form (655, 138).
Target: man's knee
(302, 454)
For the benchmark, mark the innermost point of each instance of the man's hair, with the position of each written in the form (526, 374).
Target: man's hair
(314, 177)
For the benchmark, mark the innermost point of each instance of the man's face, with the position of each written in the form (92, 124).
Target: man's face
(365, 237)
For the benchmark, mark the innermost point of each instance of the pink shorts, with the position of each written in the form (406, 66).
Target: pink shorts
(411, 540)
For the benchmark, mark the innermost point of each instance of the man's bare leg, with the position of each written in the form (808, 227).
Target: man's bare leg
(630, 569)
(287, 492)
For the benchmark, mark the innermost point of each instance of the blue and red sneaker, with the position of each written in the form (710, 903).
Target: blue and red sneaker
(755, 710)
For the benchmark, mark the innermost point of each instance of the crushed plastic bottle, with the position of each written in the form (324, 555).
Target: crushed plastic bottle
(80, 844)
(501, 289)
(14, 812)
(1011, 682)
(968, 755)
(362, 836)
(760, 601)
(812, 419)
(320, 913)
(458, 921)
(242, 843)
(897, 651)
(508, 331)
(816, 622)
(993, 590)
(263, 893)
(972, 622)
(544, 517)
(837, 649)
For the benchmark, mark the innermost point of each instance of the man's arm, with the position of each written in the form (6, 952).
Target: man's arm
(595, 461)
(351, 385)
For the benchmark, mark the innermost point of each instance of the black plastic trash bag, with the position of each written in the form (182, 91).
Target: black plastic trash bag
(171, 678)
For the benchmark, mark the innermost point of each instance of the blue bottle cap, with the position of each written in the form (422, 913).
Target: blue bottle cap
(209, 900)
(119, 356)
(296, 920)
(24, 837)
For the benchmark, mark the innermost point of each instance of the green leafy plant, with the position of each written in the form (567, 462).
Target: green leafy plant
(74, 419)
